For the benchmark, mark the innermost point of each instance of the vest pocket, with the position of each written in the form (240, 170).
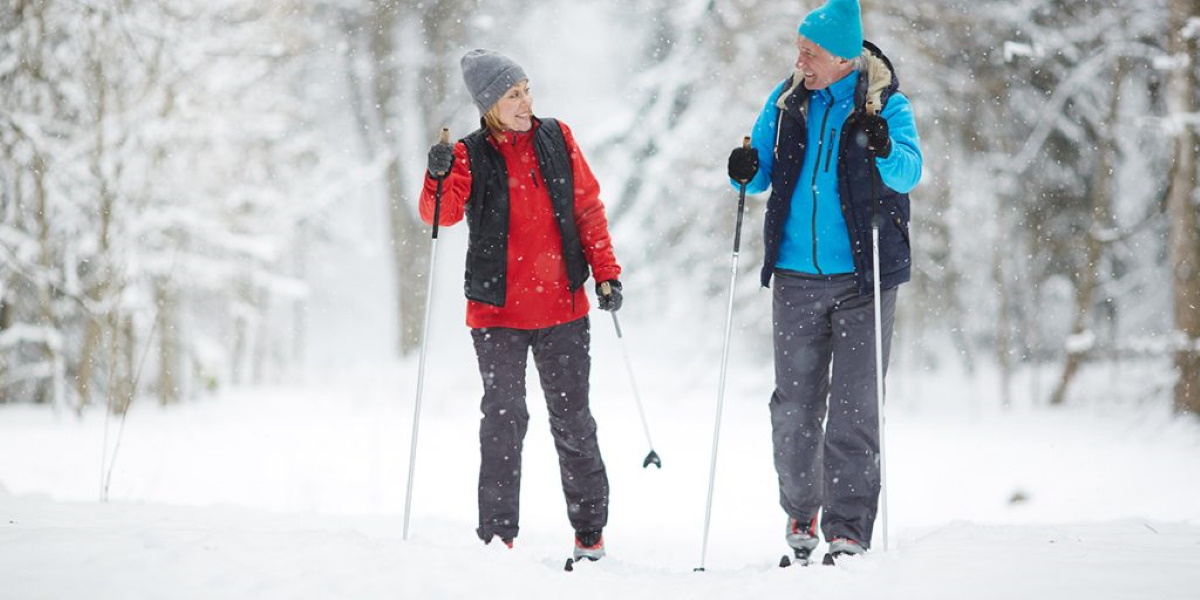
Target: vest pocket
(902, 227)
(895, 247)
(484, 276)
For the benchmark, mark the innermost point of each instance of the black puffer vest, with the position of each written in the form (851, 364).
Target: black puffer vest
(487, 211)
(858, 183)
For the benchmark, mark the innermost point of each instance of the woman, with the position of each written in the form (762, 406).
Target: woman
(536, 226)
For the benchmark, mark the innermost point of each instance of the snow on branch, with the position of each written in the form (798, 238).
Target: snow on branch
(1176, 123)
(25, 333)
(1081, 342)
(1191, 29)
(1084, 74)
(1141, 346)
(1169, 62)
(1015, 49)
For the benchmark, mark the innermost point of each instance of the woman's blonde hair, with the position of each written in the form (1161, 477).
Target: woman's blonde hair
(491, 120)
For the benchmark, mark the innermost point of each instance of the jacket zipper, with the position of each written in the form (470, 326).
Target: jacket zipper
(829, 153)
(778, 126)
(817, 169)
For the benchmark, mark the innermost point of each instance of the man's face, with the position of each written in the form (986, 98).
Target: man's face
(820, 68)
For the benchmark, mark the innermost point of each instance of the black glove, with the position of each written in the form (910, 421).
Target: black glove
(441, 158)
(876, 129)
(612, 300)
(743, 164)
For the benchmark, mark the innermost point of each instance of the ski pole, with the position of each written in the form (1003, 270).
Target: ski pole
(444, 138)
(875, 217)
(712, 470)
(652, 457)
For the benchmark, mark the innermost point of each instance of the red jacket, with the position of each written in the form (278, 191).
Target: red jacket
(537, 289)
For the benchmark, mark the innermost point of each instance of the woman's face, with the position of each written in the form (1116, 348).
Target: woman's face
(515, 107)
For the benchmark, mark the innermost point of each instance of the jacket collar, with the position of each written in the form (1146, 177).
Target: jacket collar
(843, 88)
(510, 138)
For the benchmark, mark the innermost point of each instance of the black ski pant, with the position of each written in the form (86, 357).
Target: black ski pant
(824, 411)
(561, 354)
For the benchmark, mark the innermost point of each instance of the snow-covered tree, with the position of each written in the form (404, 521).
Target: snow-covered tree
(162, 165)
(1184, 199)
(1053, 104)
(156, 168)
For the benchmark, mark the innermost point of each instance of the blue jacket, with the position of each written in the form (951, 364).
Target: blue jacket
(820, 211)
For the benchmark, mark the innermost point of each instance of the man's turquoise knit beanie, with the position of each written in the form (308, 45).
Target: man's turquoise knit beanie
(836, 27)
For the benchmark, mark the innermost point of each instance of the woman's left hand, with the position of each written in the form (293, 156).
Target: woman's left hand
(608, 295)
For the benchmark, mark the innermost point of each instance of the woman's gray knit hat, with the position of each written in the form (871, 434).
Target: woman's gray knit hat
(488, 74)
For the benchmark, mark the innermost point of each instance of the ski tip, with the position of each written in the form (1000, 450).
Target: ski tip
(570, 566)
(785, 562)
(828, 560)
(698, 570)
(652, 459)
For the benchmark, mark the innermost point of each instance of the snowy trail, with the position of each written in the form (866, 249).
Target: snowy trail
(298, 493)
(68, 550)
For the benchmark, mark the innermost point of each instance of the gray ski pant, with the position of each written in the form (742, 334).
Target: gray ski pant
(561, 354)
(824, 413)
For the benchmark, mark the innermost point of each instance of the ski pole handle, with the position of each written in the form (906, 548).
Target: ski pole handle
(606, 291)
(443, 138)
(737, 234)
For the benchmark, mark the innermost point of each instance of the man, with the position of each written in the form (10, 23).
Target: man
(837, 145)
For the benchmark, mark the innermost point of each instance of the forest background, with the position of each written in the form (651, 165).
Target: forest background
(196, 195)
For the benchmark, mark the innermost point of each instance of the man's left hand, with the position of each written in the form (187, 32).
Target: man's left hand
(878, 141)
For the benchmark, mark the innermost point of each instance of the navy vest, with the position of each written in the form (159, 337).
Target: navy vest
(487, 211)
(858, 184)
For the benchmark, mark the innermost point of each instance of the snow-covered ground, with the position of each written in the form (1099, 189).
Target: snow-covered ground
(298, 492)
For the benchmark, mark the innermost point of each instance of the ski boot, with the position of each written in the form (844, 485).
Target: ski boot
(802, 539)
(589, 545)
(839, 547)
